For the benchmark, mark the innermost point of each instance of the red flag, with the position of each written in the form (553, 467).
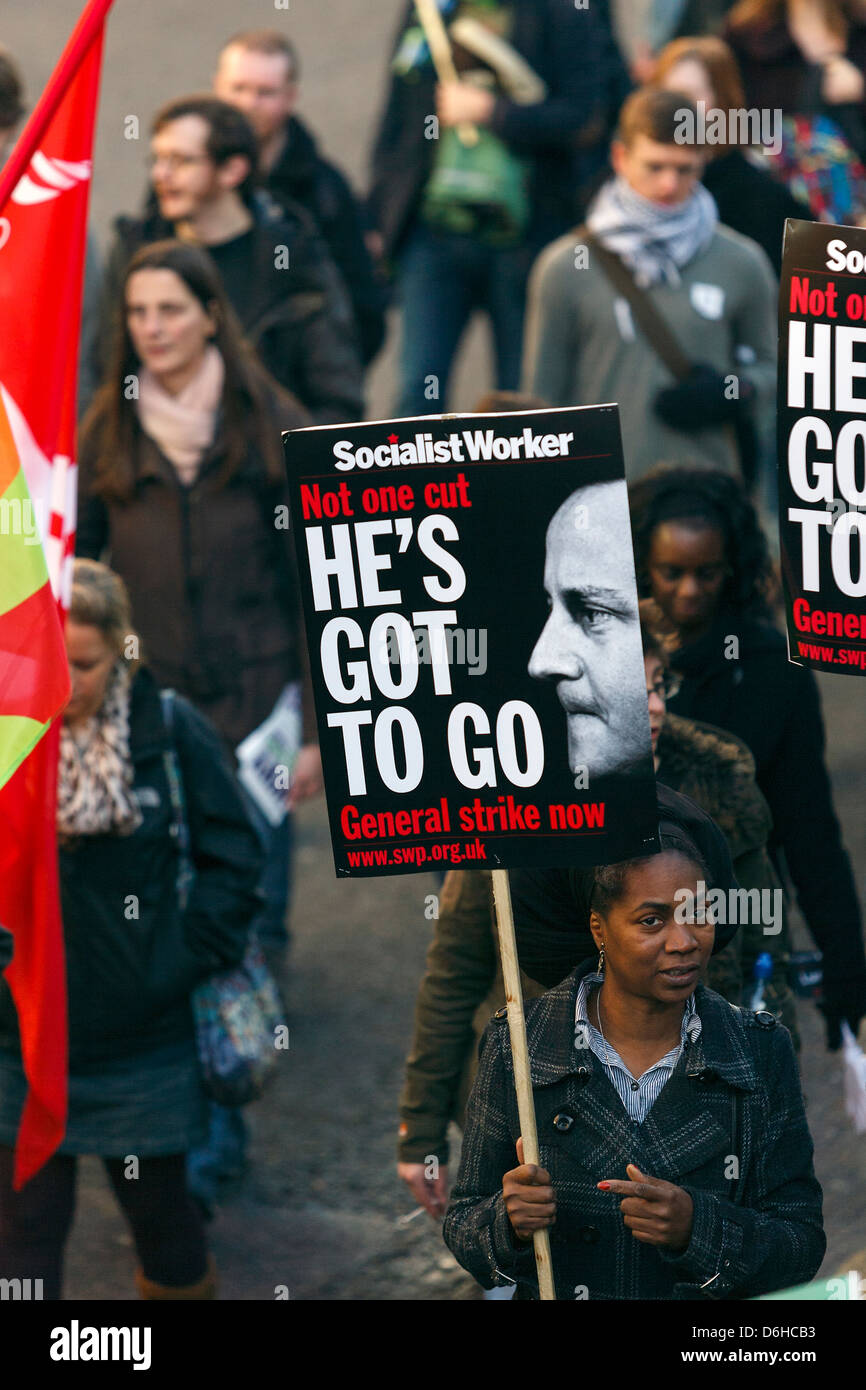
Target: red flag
(44, 191)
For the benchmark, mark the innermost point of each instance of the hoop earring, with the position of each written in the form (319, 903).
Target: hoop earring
(600, 968)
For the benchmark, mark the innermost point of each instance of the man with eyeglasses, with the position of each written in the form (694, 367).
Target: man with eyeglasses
(258, 71)
(278, 276)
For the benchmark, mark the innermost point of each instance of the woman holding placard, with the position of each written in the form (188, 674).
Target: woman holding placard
(676, 1161)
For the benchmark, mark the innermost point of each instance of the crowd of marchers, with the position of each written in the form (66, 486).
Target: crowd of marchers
(248, 294)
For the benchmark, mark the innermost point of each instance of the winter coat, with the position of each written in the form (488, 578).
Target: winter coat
(581, 348)
(565, 136)
(211, 578)
(752, 202)
(303, 176)
(461, 987)
(718, 772)
(752, 1233)
(132, 959)
(462, 983)
(296, 314)
(775, 708)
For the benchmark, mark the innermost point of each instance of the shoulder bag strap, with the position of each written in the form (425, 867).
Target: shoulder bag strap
(647, 316)
(180, 824)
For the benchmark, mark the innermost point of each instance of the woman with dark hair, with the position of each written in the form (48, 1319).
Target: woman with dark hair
(133, 956)
(701, 554)
(182, 486)
(748, 198)
(182, 489)
(645, 1084)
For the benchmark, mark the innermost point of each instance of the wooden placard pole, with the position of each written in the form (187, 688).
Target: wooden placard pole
(520, 1056)
(443, 61)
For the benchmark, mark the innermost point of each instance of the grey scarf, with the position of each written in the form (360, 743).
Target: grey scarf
(653, 241)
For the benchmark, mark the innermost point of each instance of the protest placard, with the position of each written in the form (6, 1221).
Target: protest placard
(471, 613)
(822, 445)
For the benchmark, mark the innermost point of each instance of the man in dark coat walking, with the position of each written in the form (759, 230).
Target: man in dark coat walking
(258, 72)
(544, 83)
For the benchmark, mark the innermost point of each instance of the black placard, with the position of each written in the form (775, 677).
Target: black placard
(822, 445)
(424, 550)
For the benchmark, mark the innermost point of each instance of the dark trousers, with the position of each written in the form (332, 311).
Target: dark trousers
(442, 279)
(165, 1222)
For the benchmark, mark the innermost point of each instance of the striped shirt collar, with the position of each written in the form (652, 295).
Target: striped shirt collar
(637, 1094)
(581, 1013)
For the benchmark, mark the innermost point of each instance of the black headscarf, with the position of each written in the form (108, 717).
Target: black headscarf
(552, 906)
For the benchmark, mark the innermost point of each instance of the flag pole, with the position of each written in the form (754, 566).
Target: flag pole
(443, 61)
(520, 1058)
(80, 40)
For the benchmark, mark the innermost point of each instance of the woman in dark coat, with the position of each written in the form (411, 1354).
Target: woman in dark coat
(701, 554)
(646, 1085)
(462, 983)
(182, 489)
(132, 958)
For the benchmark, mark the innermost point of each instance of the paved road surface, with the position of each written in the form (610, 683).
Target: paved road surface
(319, 1210)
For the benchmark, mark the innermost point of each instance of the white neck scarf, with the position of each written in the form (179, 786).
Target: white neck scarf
(183, 425)
(655, 242)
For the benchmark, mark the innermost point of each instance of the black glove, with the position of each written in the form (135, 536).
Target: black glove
(6, 947)
(701, 398)
(843, 999)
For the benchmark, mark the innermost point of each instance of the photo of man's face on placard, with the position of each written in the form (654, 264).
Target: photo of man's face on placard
(587, 646)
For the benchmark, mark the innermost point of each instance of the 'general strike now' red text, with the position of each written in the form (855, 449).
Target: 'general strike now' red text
(506, 816)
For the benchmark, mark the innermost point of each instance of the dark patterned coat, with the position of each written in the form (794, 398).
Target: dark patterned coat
(735, 1093)
(462, 983)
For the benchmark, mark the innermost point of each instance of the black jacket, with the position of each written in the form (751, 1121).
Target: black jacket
(131, 960)
(753, 202)
(303, 176)
(775, 708)
(762, 1234)
(565, 136)
(297, 317)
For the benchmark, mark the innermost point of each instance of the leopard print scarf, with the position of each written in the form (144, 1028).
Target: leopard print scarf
(94, 788)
